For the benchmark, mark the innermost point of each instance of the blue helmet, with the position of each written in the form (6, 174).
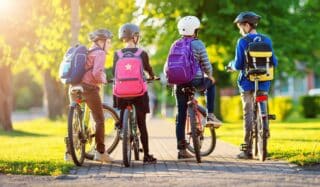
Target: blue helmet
(248, 17)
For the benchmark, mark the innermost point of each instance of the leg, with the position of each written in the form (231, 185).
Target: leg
(247, 107)
(141, 121)
(181, 101)
(210, 96)
(94, 103)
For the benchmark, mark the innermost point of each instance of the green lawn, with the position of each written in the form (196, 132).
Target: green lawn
(34, 147)
(297, 142)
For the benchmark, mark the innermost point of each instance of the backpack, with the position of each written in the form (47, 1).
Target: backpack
(259, 56)
(129, 77)
(181, 64)
(72, 67)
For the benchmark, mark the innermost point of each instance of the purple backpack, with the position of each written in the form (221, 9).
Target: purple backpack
(181, 64)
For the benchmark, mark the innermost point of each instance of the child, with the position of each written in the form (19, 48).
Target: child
(91, 81)
(188, 28)
(130, 34)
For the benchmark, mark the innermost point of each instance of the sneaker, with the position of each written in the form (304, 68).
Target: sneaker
(184, 154)
(102, 157)
(244, 155)
(67, 157)
(149, 159)
(213, 121)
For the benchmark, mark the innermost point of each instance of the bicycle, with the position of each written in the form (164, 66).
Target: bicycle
(201, 139)
(81, 130)
(260, 131)
(130, 132)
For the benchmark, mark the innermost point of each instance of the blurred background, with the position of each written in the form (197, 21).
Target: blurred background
(35, 34)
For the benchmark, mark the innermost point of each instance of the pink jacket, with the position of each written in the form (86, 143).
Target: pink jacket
(96, 75)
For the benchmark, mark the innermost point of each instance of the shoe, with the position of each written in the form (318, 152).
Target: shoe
(183, 154)
(149, 159)
(244, 155)
(102, 157)
(67, 157)
(213, 121)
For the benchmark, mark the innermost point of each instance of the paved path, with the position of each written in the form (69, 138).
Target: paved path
(220, 168)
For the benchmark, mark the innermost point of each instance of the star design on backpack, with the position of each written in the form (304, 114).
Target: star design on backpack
(128, 67)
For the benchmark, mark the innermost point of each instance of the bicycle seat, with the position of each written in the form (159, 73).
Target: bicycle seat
(77, 88)
(257, 71)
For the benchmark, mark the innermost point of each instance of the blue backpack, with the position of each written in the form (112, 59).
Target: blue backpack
(72, 67)
(181, 64)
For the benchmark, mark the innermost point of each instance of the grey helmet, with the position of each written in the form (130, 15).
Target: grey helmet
(248, 17)
(128, 31)
(100, 34)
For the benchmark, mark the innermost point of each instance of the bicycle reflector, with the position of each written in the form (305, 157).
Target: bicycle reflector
(261, 98)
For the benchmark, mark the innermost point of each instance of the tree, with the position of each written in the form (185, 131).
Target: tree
(13, 27)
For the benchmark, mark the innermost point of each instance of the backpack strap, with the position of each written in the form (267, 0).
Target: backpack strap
(120, 53)
(138, 52)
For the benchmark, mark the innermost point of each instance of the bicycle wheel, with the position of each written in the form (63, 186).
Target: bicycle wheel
(262, 138)
(195, 134)
(75, 135)
(126, 141)
(207, 135)
(111, 132)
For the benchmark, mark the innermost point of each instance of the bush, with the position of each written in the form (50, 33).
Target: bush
(280, 106)
(231, 108)
(310, 106)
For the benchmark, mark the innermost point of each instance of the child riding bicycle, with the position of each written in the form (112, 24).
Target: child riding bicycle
(130, 35)
(202, 78)
(247, 23)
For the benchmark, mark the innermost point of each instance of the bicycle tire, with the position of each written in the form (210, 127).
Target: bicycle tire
(262, 141)
(75, 127)
(108, 111)
(213, 139)
(126, 140)
(194, 133)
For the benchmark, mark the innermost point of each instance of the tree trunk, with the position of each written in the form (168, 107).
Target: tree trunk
(75, 21)
(6, 98)
(55, 96)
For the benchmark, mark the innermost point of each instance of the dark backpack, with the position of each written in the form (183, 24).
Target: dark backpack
(181, 64)
(259, 56)
(72, 67)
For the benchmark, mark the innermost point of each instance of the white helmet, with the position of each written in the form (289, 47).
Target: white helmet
(187, 25)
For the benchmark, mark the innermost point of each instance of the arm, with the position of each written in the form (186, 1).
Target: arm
(98, 67)
(238, 62)
(200, 53)
(146, 64)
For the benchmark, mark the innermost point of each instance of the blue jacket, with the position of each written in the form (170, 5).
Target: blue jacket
(244, 83)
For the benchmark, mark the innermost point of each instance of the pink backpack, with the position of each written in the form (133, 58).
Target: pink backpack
(129, 80)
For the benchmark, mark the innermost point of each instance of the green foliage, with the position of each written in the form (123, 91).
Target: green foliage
(231, 108)
(281, 107)
(27, 93)
(296, 142)
(310, 106)
(34, 148)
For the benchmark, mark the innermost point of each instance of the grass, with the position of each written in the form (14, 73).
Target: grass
(34, 147)
(295, 141)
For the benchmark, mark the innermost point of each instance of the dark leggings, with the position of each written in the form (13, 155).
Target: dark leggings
(141, 120)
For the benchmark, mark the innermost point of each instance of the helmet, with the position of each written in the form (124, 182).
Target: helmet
(100, 34)
(247, 17)
(188, 25)
(128, 31)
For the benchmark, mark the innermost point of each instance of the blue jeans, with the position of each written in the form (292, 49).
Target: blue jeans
(182, 99)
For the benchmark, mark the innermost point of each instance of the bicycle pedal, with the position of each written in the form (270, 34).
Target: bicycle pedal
(272, 117)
